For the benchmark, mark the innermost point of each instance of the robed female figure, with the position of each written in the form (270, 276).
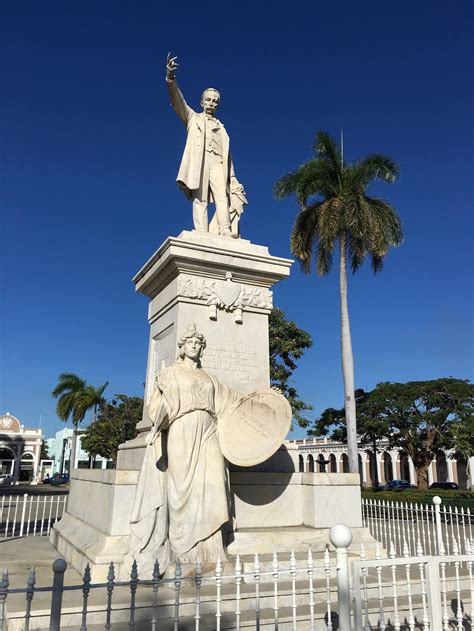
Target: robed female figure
(182, 498)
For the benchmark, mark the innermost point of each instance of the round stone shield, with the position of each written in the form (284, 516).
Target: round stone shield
(254, 428)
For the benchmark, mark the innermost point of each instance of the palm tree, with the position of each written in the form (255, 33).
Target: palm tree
(335, 210)
(75, 399)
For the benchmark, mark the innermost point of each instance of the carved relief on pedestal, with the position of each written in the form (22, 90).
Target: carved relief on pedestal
(225, 295)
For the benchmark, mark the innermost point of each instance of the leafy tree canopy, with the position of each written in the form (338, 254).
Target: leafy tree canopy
(419, 417)
(420, 413)
(370, 426)
(116, 422)
(287, 344)
(462, 437)
(44, 453)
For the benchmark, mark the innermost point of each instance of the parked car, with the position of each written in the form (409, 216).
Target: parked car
(397, 485)
(446, 486)
(57, 479)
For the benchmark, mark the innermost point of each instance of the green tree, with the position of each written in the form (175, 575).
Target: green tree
(335, 210)
(421, 417)
(462, 437)
(75, 399)
(287, 344)
(116, 422)
(371, 427)
(44, 453)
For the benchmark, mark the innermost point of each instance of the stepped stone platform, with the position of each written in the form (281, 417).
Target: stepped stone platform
(273, 511)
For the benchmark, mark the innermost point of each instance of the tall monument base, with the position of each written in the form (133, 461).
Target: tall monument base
(272, 512)
(223, 285)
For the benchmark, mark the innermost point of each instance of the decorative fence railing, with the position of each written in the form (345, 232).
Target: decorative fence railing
(22, 515)
(277, 592)
(394, 523)
(433, 593)
(414, 592)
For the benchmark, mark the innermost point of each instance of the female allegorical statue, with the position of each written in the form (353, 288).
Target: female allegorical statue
(182, 498)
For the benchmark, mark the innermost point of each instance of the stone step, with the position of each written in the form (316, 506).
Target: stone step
(296, 538)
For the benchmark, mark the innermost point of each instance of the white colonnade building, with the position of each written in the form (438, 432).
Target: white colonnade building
(321, 454)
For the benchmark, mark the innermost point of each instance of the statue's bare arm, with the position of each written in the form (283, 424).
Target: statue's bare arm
(180, 106)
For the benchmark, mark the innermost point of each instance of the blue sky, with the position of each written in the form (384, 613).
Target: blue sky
(89, 150)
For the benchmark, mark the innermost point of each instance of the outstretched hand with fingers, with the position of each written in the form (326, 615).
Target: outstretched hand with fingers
(171, 67)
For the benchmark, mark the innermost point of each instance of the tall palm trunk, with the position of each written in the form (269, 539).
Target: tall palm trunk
(347, 363)
(72, 453)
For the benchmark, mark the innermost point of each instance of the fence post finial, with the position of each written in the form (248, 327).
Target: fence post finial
(59, 568)
(341, 538)
(439, 533)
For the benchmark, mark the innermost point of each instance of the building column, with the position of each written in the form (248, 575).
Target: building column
(379, 468)
(450, 462)
(36, 465)
(364, 470)
(393, 457)
(411, 468)
(430, 474)
(17, 463)
(455, 471)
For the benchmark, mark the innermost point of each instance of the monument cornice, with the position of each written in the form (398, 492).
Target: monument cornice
(210, 256)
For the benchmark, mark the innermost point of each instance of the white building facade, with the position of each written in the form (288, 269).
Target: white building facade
(59, 449)
(20, 451)
(320, 454)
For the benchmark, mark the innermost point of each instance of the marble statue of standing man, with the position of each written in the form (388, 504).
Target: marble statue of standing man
(206, 172)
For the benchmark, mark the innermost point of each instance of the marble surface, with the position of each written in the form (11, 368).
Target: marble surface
(206, 152)
(103, 497)
(95, 527)
(224, 286)
(318, 500)
(254, 428)
(272, 511)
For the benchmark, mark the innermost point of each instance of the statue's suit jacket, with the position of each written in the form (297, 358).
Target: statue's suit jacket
(190, 170)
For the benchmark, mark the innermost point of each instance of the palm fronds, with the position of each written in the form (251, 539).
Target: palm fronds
(334, 203)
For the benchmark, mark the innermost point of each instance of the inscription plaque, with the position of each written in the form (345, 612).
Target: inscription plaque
(254, 428)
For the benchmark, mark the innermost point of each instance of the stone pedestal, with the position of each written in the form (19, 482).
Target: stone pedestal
(274, 509)
(221, 284)
(95, 527)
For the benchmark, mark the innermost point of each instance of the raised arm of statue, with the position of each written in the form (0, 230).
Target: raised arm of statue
(178, 102)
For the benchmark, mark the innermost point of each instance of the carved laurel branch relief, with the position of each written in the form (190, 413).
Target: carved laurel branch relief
(225, 295)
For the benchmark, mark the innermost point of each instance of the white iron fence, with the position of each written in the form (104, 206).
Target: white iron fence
(396, 523)
(422, 592)
(312, 592)
(22, 515)
(276, 593)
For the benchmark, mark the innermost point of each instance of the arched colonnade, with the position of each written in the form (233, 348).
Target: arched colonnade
(391, 465)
